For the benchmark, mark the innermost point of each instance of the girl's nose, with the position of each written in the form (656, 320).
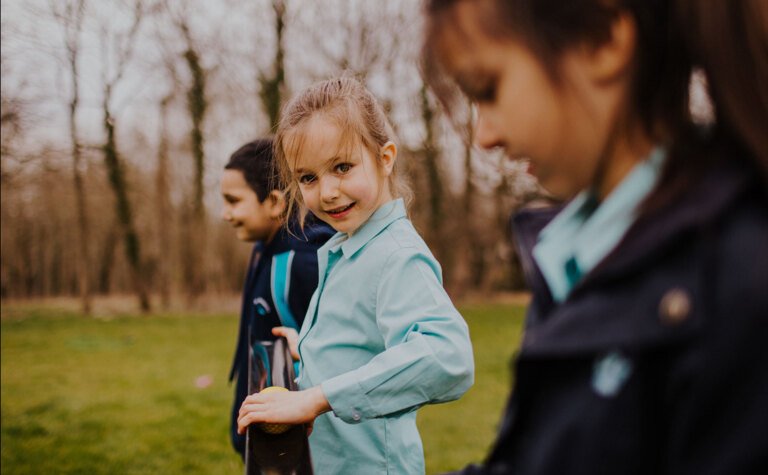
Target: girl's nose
(329, 188)
(486, 135)
(226, 214)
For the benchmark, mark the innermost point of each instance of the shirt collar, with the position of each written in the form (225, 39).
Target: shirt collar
(384, 216)
(587, 232)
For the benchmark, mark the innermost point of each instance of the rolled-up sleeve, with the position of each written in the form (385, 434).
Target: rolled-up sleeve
(428, 353)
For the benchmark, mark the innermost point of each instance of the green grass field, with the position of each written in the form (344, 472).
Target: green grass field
(122, 395)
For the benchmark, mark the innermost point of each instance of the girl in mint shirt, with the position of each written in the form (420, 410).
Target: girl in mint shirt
(381, 337)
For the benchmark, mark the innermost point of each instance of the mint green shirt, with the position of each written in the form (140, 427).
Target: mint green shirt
(382, 338)
(585, 231)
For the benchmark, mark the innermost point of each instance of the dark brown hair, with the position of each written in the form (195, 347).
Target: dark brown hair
(727, 40)
(256, 162)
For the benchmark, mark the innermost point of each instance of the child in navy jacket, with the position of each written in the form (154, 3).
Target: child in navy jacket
(282, 272)
(644, 350)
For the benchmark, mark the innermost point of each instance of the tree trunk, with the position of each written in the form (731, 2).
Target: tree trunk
(123, 208)
(162, 187)
(72, 39)
(84, 235)
(436, 195)
(476, 254)
(197, 235)
(106, 261)
(467, 246)
(272, 87)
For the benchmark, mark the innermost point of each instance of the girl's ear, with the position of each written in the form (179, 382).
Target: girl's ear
(612, 59)
(388, 157)
(277, 204)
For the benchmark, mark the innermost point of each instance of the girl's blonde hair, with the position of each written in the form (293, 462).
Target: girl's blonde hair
(355, 111)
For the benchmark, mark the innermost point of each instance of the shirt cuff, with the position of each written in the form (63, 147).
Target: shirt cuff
(347, 398)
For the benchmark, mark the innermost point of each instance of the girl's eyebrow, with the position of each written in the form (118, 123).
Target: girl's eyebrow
(300, 170)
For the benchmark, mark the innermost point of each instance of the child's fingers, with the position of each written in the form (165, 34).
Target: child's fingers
(279, 331)
(253, 403)
(254, 398)
(244, 421)
(246, 409)
(248, 418)
(241, 428)
(287, 332)
(257, 403)
(249, 405)
(249, 414)
(292, 336)
(257, 412)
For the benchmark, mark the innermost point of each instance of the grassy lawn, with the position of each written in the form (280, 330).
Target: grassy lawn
(127, 395)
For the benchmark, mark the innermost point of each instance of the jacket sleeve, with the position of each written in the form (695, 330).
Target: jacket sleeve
(303, 283)
(428, 355)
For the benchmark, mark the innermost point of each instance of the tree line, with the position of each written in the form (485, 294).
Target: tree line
(118, 116)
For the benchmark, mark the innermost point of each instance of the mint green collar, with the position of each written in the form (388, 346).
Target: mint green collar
(384, 216)
(585, 231)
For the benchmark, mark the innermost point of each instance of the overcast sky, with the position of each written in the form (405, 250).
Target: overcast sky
(236, 39)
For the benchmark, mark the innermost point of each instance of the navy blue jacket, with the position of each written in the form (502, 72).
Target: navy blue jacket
(657, 362)
(281, 278)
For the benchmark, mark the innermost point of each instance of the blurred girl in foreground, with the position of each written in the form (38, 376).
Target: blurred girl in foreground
(645, 346)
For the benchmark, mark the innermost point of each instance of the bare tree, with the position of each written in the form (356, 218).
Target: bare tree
(115, 171)
(71, 15)
(272, 85)
(14, 117)
(435, 191)
(194, 261)
(162, 188)
(197, 106)
(12, 124)
(165, 235)
(466, 247)
(358, 37)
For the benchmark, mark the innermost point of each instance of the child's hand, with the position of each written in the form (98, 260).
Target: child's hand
(289, 407)
(293, 339)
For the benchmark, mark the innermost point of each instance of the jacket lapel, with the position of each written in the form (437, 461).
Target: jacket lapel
(619, 304)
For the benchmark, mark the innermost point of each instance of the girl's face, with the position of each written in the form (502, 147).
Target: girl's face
(343, 186)
(561, 128)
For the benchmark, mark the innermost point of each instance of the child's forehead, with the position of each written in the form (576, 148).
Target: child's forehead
(320, 141)
(233, 177)
(233, 182)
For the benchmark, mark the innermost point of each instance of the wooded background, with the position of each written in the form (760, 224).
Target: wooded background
(118, 117)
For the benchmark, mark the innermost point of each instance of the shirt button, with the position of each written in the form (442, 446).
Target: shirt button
(356, 416)
(675, 306)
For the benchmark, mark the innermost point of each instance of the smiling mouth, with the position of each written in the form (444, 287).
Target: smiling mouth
(340, 212)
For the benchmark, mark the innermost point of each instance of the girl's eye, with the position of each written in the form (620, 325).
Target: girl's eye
(484, 92)
(485, 95)
(343, 167)
(480, 88)
(306, 179)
